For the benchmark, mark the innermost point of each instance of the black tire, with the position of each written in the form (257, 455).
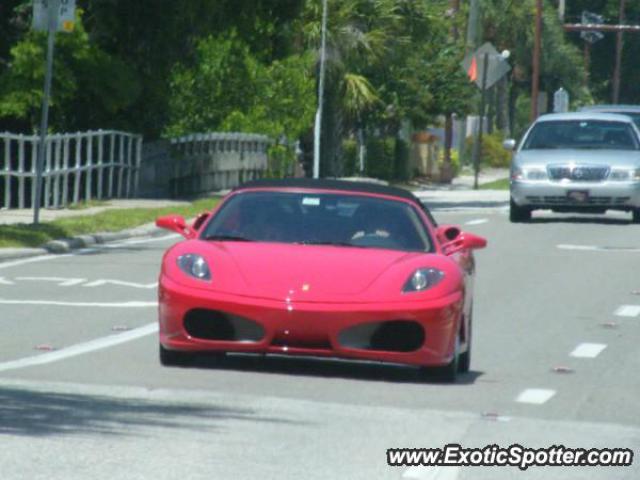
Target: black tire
(635, 215)
(173, 358)
(518, 214)
(464, 360)
(447, 373)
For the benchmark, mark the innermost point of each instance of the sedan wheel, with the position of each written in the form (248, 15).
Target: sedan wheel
(518, 214)
(636, 215)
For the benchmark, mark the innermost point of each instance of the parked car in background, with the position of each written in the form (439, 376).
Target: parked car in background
(584, 162)
(632, 111)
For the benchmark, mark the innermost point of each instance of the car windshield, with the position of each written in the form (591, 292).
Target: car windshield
(581, 134)
(347, 220)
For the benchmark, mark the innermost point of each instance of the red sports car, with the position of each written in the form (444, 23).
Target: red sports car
(321, 268)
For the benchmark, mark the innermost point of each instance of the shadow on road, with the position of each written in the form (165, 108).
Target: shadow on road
(35, 413)
(327, 367)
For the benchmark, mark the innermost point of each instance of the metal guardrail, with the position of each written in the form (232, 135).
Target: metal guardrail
(77, 167)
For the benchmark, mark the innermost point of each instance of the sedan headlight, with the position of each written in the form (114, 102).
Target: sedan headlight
(195, 266)
(529, 173)
(422, 279)
(625, 175)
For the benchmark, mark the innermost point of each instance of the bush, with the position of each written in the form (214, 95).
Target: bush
(455, 160)
(493, 154)
(380, 161)
(350, 156)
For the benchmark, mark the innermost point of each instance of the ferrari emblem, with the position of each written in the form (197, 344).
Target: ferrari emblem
(305, 287)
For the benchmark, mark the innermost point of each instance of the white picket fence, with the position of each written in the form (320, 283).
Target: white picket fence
(77, 167)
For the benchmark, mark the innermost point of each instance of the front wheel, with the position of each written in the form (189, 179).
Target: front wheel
(447, 373)
(635, 215)
(518, 214)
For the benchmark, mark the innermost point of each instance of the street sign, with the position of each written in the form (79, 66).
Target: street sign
(65, 17)
(561, 101)
(589, 18)
(497, 66)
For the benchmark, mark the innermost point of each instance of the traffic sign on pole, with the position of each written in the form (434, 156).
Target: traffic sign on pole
(65, 15)
(497, 66)
(51, 16)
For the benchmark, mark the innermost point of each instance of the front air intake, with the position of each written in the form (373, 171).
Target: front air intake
(390, 336)
(215, 325)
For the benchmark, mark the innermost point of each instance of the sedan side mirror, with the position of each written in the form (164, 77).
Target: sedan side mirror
(176, 223)
(509, 144)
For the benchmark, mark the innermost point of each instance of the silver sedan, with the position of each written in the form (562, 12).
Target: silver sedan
(576, 162)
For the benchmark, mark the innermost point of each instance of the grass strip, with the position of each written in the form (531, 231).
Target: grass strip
(502, 184)
(25, 235)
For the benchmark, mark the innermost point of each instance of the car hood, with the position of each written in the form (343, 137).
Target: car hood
(618, 158)
(308, 271)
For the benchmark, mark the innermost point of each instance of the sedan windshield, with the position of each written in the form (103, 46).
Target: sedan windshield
(344, 220)
(582, 134)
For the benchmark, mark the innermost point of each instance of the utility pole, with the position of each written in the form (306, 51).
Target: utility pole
(619, 46)
(318, 124)
(535, 80)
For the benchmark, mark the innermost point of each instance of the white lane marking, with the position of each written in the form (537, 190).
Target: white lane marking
(588, 350)
(80, 304)
(80, 348)
(578, 247)
(138, 241)
(628, 311)
(4, 281)
(431, 473)
(62, 282)
(537, 396)
(478, 221)
(99, 283)
(42, 258)
(594, 248)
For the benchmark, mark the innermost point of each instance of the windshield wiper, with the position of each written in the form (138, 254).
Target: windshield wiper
(331, 243)
(227, 238)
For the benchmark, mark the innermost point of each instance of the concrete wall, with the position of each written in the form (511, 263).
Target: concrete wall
(200, 163)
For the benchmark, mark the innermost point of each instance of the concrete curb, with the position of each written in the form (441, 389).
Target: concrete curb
(68, 245)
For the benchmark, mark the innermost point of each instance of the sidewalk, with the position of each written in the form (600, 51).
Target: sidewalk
(9, 217)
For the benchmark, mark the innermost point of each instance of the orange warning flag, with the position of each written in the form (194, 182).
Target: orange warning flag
(473, 69)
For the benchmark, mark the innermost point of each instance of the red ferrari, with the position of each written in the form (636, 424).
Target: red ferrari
(322, 268)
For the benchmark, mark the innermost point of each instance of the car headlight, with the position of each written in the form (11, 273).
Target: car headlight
(195, 266)
(528, 173)
(422, 279)
(625, 174)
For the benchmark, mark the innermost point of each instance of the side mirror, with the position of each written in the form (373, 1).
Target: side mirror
(176, 223)
(464, 241)
(200, 219)
(509, 144)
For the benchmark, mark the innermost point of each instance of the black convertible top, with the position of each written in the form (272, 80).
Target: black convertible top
(341, 185)
(338, 185)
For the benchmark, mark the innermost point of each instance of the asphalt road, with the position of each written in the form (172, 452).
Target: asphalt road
(555, 362)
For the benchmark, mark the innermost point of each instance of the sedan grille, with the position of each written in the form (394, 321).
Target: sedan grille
(579, 173)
